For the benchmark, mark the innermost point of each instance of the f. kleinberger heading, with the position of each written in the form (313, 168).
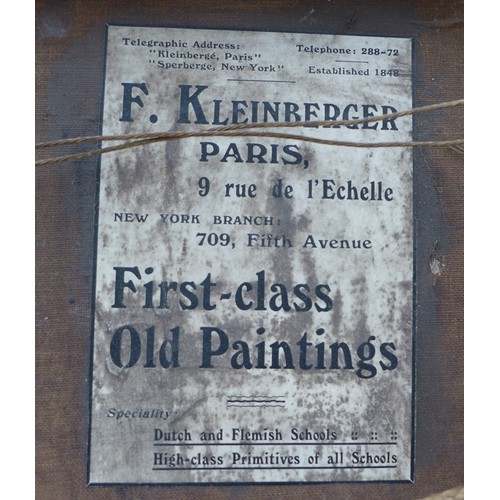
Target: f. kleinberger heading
(198, 105)
(131, 347)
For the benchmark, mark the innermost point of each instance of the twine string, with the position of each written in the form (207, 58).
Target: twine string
(241, 130)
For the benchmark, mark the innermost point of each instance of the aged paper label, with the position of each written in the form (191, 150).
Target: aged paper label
(253, 295)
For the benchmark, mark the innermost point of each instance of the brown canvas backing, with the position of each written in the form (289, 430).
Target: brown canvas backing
(70, 55)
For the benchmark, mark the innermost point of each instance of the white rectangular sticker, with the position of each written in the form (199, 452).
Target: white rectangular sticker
(253, 294)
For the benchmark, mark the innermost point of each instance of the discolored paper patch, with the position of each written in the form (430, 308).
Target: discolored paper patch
(254, 296)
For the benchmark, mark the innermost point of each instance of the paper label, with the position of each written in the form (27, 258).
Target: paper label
(253, 295)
